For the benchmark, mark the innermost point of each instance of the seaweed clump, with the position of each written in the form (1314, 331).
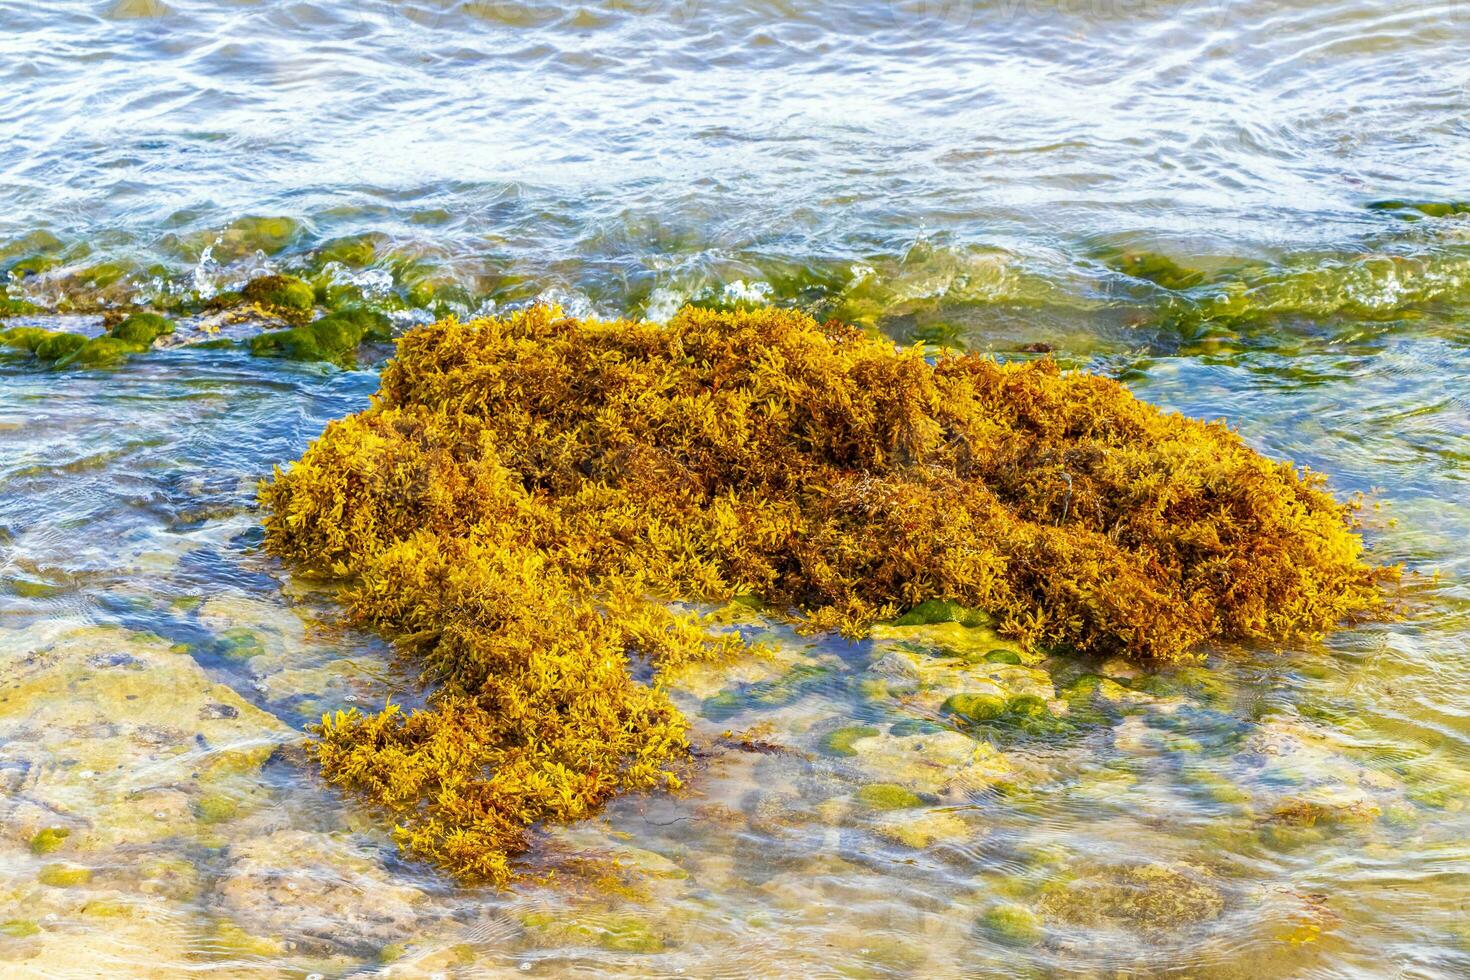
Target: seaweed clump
(526, 493)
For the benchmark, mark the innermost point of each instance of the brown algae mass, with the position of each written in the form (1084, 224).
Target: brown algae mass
(527, 494)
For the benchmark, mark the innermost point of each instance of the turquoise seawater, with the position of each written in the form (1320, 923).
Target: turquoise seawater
(1254, 210)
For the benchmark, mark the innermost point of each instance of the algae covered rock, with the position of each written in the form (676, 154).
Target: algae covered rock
(942, 611)
(58, 345)
(334, 337)
(975, 707)
(58, 348)
(101, 352)
(621, 933)
(355, 251)
(25, 339)
(265, 234)
(887, 796)
(969, 675)
(49, 840)
(1154, 267)
(1428, 209)
(142, 329)
(10, 306)
(283, 294)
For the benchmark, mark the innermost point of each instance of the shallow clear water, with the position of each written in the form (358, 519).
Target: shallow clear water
(1176, 193)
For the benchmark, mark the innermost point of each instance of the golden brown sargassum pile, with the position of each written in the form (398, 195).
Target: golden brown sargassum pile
(526, 493)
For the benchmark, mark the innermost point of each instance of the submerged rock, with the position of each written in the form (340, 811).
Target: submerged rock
(317, 889)
(622, 933)
(263, 636)
(136, 725)
(1149, 896)
(942, 763)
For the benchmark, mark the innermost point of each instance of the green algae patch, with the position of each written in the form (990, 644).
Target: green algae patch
(975, 707)
(839, 742)
(227, 941)
(527, 493)
(1427, 209)
(50, 840)
(216, 808)
(913, 726)
(31, 589)
(942, 611)
(888, 796)
(240, 643)
(1014, 925)
(64, 875)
